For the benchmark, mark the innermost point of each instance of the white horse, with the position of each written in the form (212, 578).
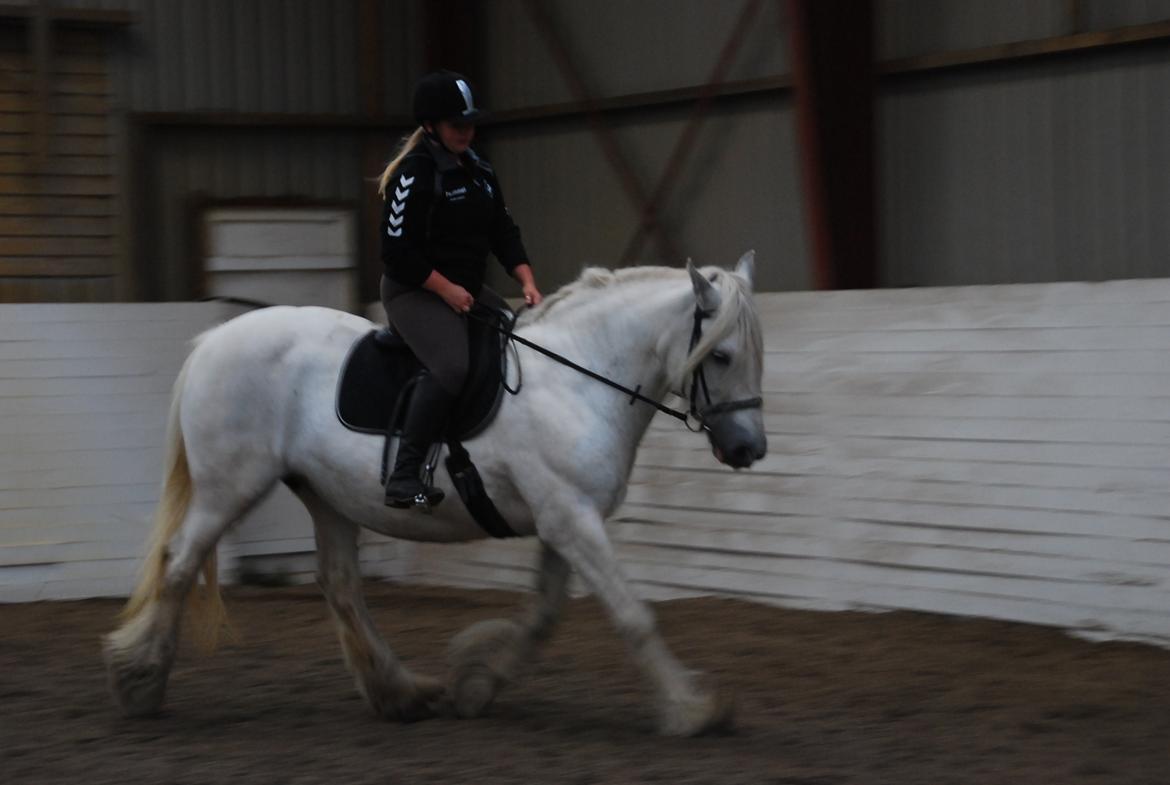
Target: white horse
(254, 406)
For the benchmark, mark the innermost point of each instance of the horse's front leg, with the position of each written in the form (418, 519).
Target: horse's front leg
(685, 708)
(490, 654)
(391, 689)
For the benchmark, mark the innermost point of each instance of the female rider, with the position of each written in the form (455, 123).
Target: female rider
(444, 212)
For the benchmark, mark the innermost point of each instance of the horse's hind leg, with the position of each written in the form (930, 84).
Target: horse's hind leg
(490, 654)
(386, 684)
(139, 654)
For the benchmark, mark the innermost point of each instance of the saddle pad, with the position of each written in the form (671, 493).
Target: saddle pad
(377, 369)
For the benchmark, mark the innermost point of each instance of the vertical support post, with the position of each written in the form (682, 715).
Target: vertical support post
(833, 70)
(451, 40)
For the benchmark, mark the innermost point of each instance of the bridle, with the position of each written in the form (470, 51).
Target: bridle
(696, 414)
(699, 382)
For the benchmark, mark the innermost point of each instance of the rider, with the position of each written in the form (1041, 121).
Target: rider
(444, 211)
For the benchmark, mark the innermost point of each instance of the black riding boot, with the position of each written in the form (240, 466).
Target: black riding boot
(426, 417)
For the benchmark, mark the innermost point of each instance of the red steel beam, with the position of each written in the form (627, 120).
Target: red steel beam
(834, 74)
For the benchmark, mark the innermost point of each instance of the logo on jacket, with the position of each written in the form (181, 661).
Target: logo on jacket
(398, 206)
(456, 195)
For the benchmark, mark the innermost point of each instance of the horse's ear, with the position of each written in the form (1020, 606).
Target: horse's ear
(705, 293)
(745, 268)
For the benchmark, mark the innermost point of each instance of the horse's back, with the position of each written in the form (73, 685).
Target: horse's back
(282, 324)
(269, 352)
(268, 335)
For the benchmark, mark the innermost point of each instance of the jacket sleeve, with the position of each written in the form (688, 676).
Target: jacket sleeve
(505, 234)
(404, 222)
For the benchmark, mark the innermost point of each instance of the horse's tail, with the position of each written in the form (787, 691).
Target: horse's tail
(205, 610)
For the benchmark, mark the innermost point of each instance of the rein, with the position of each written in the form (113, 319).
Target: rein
(698, 378)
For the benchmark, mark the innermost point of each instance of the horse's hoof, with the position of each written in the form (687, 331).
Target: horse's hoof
(425, 699)
(473, 691)
(407, 698)
(484, 657)
(138, 689)
(704, 714)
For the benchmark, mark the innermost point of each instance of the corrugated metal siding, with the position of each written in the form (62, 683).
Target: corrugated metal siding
(579, 214)
(914, 27)
(255, 165)
(988, 451)
(1037, 172)
(1104, 14)
(573, 211)
(294, 56)
(622, 47)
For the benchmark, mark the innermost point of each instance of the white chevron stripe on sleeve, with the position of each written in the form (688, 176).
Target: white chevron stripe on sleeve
(394, 232)
(400, 194)
(397, 207)
(406, 181)
(396, 220)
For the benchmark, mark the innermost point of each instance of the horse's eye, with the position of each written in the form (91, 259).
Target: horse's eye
(721, 358)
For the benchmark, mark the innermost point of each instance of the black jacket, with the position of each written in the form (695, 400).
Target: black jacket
(445, 213)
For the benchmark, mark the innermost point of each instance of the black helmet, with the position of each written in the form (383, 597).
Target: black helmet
(445, 95)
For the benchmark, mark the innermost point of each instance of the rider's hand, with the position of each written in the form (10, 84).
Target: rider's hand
(458, 298)
(532, 295)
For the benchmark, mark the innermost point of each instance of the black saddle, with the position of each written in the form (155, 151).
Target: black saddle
(380, 367)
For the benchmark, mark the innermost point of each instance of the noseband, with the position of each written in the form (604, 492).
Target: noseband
(699, 382)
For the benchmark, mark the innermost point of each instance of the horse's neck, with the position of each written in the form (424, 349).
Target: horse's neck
(622, 332)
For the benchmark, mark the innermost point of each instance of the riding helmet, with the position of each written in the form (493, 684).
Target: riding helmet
(445, 95)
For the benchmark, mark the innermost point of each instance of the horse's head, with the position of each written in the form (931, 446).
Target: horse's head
(725, 364)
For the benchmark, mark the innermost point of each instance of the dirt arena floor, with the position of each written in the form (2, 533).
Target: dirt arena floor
(823, 699)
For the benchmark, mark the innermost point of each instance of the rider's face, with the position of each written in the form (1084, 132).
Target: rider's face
(455, 136)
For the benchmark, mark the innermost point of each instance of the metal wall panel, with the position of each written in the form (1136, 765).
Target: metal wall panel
(1104, 14)
(622, 47)
(914, 27)
(739, 190)
(186, 167)
(1040, 172)
(290, 56)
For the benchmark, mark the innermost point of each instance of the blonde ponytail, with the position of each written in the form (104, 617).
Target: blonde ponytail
(408, 144)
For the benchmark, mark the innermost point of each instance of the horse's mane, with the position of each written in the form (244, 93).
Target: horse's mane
(736, 309)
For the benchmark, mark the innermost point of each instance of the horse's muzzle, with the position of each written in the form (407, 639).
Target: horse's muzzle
(736, 445)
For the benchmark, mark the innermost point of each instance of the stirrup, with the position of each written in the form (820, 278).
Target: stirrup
(423, 501)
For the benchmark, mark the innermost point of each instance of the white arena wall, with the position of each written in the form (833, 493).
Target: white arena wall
(989, 451)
